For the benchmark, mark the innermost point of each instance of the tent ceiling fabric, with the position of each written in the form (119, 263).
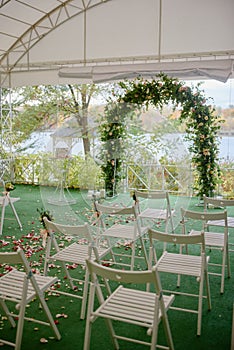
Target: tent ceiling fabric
(76, 41)
(219, 70)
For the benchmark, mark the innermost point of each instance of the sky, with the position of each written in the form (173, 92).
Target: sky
(222, 93)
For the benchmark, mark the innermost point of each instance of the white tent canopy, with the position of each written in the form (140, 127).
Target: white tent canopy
(75, 41)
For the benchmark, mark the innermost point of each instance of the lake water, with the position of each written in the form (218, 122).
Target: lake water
(43, 143)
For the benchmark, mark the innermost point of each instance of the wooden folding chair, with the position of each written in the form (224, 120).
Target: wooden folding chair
(129, 305)
(182, 264)
(213, 239)
(154, 206)
(6, 200)
(223, 204)
(21, 286)
(81, 244)
(121, 223)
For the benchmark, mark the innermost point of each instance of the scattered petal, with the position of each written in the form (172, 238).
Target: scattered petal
(43, 340)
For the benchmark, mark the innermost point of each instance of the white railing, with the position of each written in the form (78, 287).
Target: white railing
(176, 178)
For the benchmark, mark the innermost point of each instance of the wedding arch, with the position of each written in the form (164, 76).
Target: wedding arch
(202, 126)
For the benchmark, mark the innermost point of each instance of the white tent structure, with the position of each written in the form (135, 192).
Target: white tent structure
(81, 41)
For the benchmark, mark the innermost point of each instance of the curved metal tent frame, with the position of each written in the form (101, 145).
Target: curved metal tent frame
(79, 41)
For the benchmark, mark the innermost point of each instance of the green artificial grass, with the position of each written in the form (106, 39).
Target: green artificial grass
(216, 324)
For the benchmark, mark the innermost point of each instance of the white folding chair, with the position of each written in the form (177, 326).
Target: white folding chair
(224, 204)
(6, 200)
(21, 286)
(213, 239)
(126, 226)
(128, 304)
(154, 206)
(81, 244)
(189, 264)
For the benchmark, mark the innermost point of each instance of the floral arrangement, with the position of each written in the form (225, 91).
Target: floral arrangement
(43, 231)
(44, 213)
(9, 186)
(202, 124)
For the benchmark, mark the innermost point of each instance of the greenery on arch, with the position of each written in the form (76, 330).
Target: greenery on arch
(202, 125)
(112, 130)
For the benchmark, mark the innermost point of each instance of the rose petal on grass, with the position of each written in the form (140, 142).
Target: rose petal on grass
(43, 340)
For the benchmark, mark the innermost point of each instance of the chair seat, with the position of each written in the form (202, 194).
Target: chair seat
(182, 264)
(154, 214)
(212, 238)
(12, 282)
(221, 222)
(5, 200)
(121, 231)
(132, 306)
(77, 253)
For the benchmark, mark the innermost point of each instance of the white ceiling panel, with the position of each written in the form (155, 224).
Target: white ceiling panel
(37, 36)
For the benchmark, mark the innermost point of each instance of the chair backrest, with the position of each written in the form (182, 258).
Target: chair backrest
(115, 209)
(203, 217)
(151, 194)
(176, 238)
(217, 202)
(125, 276)
(78, 231)
(155, 199)
(13, 258)
(181, 242)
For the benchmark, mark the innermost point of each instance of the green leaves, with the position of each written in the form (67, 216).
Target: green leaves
(202, 124)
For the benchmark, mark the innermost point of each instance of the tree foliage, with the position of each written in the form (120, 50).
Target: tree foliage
(41, 107)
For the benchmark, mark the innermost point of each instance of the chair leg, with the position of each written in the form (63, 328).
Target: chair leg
(88, 325)
(228, 262)
(111, 250)
(20, 325)
(89, 322)
(178, 281)
(87, 335)
(8, 314)
(85, 294)
(2, 216)
(168, 332)
(112, 334)
(208, 290)
(144, 250)
(223, 270)
(200, 302)
(68, 276)
(172, 225)
(49, 317)
(133, 255)
(154, 336)
(15, 213)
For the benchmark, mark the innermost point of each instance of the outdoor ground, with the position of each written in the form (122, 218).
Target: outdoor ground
(216, 324)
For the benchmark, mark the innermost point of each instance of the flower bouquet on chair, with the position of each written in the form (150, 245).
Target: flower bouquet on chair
(43, 231)
(9, 187)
